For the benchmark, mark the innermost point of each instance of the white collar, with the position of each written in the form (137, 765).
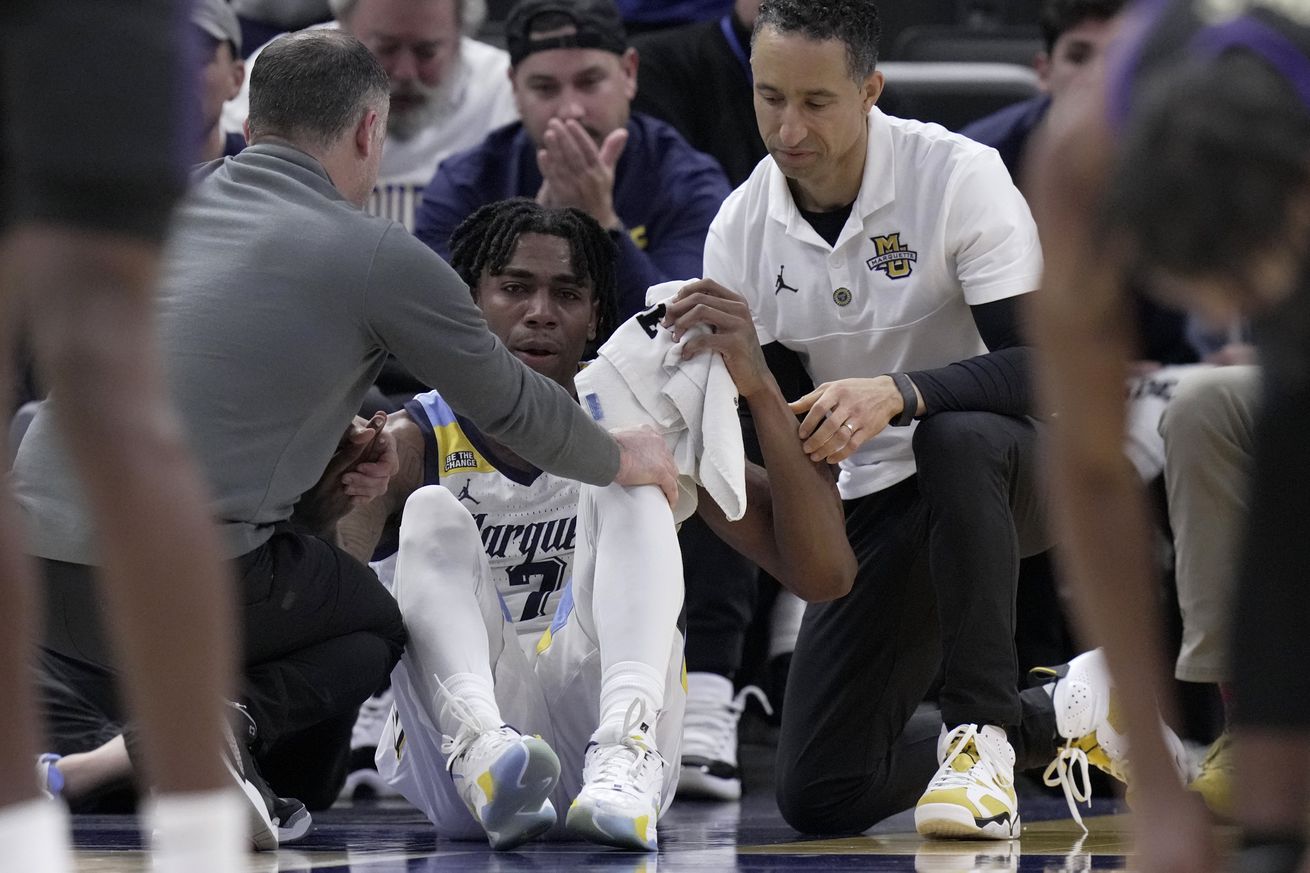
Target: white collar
(877, 187)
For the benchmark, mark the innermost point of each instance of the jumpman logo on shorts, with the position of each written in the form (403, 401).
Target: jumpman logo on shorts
(781, 283)
(465, 495)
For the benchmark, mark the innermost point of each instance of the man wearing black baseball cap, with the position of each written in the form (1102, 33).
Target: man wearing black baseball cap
(538, 25)
(580, 145)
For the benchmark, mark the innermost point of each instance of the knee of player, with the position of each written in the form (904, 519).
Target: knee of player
(627, 501)
(433, 511)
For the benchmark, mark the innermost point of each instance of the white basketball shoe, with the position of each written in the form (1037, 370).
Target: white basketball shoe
(623, 782)
(504, 778)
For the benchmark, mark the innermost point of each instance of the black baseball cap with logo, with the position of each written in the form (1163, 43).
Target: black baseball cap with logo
(535, 25)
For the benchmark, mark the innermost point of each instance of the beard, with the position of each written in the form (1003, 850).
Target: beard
(420, 106)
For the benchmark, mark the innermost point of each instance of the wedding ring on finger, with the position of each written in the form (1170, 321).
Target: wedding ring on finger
(849, 430)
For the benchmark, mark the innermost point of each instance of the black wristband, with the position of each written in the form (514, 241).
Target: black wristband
(908, 398)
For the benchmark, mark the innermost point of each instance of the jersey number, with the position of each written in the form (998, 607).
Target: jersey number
(546, 575)
(650, 319)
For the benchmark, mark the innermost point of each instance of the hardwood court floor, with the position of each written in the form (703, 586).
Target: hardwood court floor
(749, 836)
(391, 836)
(693, 837)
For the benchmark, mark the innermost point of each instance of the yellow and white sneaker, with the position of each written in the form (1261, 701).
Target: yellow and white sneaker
(1214, 782)
(623, 781)
(972, 795)
(1087, 717)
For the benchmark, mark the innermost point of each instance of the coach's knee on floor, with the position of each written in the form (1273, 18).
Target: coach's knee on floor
(813, 805)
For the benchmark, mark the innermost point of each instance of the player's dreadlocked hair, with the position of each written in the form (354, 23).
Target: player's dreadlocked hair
(484, 242)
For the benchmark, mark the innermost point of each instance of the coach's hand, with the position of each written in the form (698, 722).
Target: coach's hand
(644, 459)
(731, 333)
(367, 477)
(359, 471)
(841, 416)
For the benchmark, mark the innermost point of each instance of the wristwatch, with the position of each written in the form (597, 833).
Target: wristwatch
(908, 398)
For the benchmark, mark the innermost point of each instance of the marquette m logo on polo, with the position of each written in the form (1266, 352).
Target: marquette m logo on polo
(893, 258)
(781, 283)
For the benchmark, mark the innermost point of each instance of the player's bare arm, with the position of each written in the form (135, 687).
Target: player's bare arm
(1084, 329)
(794, 526)
(360, 530)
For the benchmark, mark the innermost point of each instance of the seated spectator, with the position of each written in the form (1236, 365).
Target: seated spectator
(279, 302)
(447, 91)
(580, 145)
(222, 74)
(473, 576)
(1076, 32)
(1208, 433)
(698, 79)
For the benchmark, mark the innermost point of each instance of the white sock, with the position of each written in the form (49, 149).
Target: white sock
(478, 695)
(34, 837)
(709, 688)
(623, 682)
(201, 832)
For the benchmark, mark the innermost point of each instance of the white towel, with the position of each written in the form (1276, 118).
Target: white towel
(639, 378)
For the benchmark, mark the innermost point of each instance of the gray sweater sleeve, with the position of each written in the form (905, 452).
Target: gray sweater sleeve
(422, 312)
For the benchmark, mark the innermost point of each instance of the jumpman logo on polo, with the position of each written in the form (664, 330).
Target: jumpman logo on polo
(781, 283)
(465, 495)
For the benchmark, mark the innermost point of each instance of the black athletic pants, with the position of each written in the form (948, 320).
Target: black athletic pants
(722, 592)
(938, 568)
(320, 635)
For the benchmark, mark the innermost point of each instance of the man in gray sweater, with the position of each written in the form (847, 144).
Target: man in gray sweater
(279, 301)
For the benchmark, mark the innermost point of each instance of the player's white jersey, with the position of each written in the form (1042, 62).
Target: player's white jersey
(528, 519)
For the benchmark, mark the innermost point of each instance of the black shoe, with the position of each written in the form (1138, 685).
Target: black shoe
(240, 731)
(291, 818)
(273, 819)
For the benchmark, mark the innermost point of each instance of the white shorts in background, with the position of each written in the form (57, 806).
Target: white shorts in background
(1148, 396)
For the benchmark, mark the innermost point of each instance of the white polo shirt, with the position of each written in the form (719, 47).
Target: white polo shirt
(937, 226)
